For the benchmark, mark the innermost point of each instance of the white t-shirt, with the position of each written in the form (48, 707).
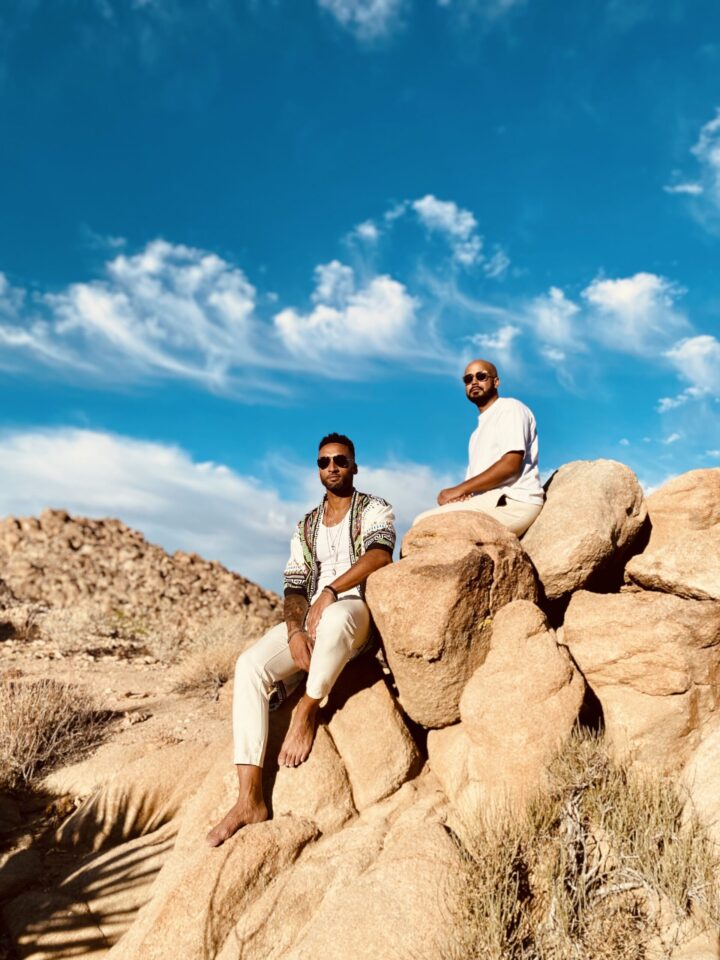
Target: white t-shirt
(507, 425)
(333, 555)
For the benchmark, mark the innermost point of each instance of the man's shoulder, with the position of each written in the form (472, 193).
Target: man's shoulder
(371, 500)
(512, 405)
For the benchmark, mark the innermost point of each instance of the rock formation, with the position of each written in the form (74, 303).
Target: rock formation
(593, 516)
(516, 711)
(363, 856)
(435, 607)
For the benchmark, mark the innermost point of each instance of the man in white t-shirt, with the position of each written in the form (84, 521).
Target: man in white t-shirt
(333, 551)
(502, 477)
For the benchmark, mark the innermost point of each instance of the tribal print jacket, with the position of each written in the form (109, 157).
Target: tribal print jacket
(371, 527)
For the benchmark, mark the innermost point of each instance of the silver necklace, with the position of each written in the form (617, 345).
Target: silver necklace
(333, 545)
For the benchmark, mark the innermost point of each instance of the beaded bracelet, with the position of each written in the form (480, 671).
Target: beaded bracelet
(332, 590)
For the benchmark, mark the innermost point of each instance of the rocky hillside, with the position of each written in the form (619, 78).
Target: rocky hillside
(427, 823)
(108, 570)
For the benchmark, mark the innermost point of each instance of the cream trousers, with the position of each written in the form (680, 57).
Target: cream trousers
(513, 514)
(341, 634)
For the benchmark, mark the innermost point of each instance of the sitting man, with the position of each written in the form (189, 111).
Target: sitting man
(502, 477)
(333, 551)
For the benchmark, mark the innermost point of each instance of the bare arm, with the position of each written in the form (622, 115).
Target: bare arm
(295, 609)
(506, 468)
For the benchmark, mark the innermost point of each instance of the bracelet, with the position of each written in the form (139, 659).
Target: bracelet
(332, 590)
(293, 632)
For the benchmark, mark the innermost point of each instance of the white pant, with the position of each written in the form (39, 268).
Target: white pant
(513, 514)
(341, 634)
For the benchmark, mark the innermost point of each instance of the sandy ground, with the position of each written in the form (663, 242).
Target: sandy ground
(137, 693)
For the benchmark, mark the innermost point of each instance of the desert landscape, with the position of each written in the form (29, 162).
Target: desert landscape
(529, 766)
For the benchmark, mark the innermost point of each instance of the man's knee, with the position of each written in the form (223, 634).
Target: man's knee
(341, 623)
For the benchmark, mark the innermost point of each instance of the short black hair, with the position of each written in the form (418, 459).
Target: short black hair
(338, 438)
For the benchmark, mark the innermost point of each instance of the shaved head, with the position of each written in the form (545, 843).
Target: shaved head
(482, 365)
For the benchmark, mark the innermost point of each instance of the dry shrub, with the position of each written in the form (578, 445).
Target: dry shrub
(42, 723)
(601, 863)
(206, 669)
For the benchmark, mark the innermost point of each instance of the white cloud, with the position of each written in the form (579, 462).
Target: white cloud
(367, 19)
(689, 189)
(673, 438)
(553, 319)
(624, 442)
(707, 151)
(376, 320)
(497, 265)
(168, 311)
(697, 360)
(459, 226)
(635, 315)
(715, 454)
(181, 503)
(499, 344)
(367, 231)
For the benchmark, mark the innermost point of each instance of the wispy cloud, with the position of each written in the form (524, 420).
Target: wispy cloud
(367, 20)
(689, 189)
(457, 225)
(703, 188)
(182, 503)
(697, 360)
(376, 320)
(636, 315)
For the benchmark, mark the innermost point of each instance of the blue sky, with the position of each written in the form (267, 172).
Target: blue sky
(228, 227)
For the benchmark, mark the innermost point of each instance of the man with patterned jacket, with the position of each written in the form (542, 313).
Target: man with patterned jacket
(327, 623)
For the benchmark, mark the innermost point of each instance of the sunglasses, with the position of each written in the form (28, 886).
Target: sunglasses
(480, 377)
(340, 460)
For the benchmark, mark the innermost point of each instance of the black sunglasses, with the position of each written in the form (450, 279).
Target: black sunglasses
(340, 460)
(481, 377)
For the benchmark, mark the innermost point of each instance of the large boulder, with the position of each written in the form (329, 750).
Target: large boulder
(191, 916)
(688, 567)
(517, 709)
(683, 553)
(435, 607)
(385, 886)
(701, 780)
(370, 734)
(653, 661)
(684, 504)
(593, 516)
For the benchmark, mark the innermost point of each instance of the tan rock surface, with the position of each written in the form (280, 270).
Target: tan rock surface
(688, 567)
(382, 888)
(594, 512)
(370, 734)
(205, 891)
(653, 660)
(140, 798)
(434, 608)
(701, 779)
(83, 778)
(517, 710)
(685, 503)
(93, 907)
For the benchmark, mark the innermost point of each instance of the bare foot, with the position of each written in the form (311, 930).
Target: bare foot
(300, 737)
(244, 812)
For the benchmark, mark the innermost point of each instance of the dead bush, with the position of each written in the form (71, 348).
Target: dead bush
(601, 863)
(209, 667)
(43, 723)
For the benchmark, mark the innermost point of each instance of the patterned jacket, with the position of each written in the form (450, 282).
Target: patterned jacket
(372, 526)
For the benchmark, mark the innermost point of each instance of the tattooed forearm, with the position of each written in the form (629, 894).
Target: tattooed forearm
(294, 610)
